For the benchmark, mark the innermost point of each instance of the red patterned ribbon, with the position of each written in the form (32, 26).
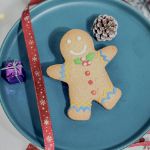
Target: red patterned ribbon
(31, 147)
(37, 76)
(146, 143)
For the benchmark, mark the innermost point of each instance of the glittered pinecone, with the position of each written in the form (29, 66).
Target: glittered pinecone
(104, 28)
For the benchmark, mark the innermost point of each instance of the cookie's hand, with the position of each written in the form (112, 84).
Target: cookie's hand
(108, 53)
(57, 72)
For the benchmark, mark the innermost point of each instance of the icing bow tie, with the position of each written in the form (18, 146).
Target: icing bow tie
(85, 61)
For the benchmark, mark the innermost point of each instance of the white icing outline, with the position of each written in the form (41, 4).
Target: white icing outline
(79, 53)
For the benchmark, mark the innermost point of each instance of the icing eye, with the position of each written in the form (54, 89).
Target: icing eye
(68, 41)
(79, 38)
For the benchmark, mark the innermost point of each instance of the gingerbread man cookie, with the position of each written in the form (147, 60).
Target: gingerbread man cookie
(84, 72)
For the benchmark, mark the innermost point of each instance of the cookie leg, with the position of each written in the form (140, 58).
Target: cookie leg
(80, 110)
(111, 98)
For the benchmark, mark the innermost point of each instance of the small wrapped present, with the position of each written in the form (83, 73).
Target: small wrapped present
(13, 72)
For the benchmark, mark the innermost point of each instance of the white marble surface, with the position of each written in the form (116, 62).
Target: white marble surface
(10, 138)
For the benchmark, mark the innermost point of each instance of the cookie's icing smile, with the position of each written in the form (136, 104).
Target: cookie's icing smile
(79, 53)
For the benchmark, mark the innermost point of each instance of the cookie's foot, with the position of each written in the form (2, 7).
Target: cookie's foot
(112, 98)
(81, 113)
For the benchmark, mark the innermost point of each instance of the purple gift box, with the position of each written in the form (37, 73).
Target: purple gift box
(13, 72)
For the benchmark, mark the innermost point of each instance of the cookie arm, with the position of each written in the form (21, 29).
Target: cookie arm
(108, 53)
(57, 72)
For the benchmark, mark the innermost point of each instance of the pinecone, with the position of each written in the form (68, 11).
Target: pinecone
(104, 28)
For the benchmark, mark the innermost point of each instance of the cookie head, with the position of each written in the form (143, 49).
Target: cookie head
(76, 43)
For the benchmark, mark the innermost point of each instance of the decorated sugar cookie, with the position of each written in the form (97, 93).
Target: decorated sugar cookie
(84, 72)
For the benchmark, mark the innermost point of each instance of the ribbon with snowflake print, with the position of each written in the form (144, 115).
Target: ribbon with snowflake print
(38, 80)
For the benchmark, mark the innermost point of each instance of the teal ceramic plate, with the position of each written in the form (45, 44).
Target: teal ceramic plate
(129, 71)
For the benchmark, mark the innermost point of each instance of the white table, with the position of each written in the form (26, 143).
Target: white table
(10, 138)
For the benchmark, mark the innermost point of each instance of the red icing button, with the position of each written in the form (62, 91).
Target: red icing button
(87, 73)
(90, 82)
(93, 92)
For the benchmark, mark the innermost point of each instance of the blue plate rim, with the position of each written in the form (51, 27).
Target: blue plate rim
(25, 134)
